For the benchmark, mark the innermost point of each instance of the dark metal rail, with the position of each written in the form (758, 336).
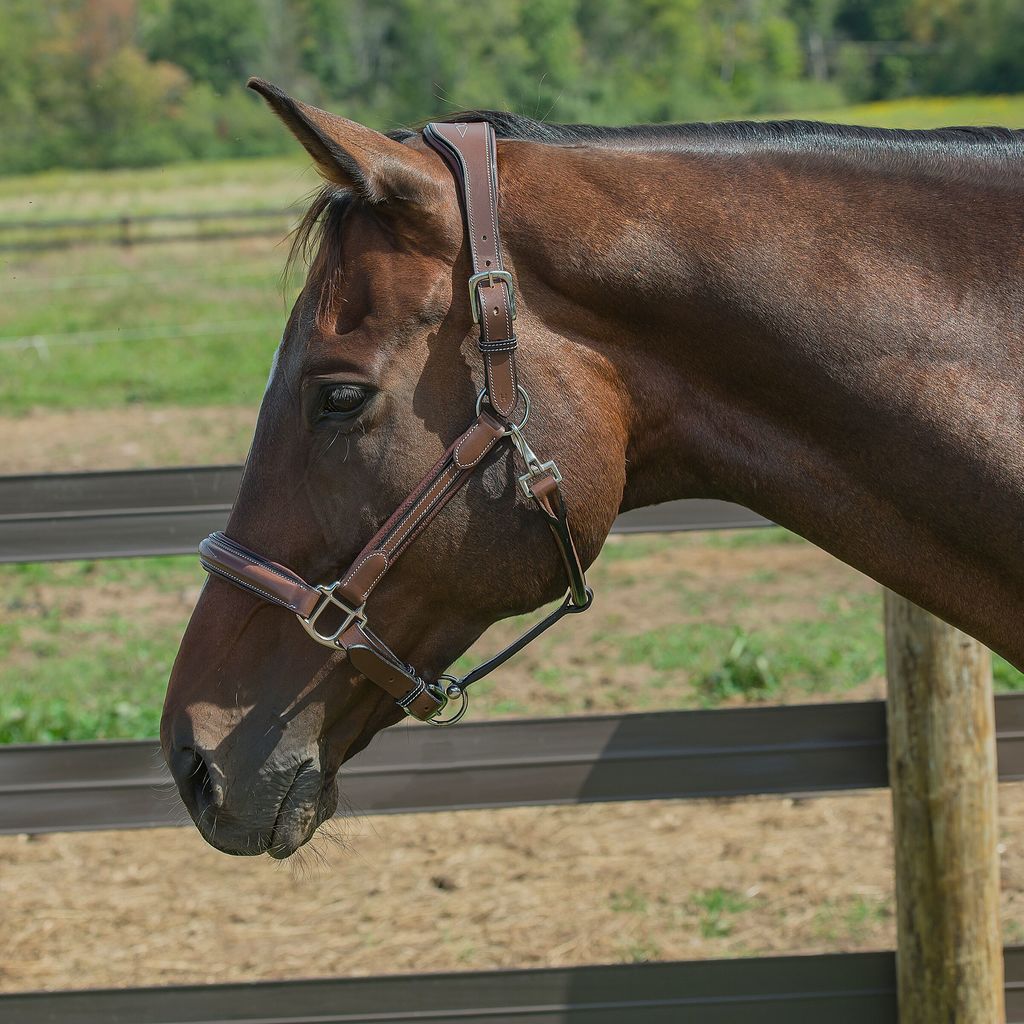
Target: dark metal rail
(850, 988)
(667, 755)
(847, 989)
(168, 511)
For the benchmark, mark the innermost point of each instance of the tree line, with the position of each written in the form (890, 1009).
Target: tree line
(108, 83)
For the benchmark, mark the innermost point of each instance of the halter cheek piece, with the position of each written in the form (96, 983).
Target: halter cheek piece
(469, 151)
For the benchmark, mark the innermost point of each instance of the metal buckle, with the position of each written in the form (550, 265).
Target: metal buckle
(351, 615)
(542, 467)
(490, 276)
(534, 467)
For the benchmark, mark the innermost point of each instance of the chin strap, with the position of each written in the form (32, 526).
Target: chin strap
(334, 613)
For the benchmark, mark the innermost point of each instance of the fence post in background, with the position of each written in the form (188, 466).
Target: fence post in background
(942, 770)
(126, 230)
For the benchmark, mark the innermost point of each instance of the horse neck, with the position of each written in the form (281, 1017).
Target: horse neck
(805, 336)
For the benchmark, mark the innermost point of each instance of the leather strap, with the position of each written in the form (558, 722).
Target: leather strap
(275, 583)
(470, 150)
(406, 523)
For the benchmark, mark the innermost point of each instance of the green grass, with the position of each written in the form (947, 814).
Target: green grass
(176, 324)
(927, 112)
(70, 674)
(835, 650)
(716, 908)
(255, 184)
(850, 920)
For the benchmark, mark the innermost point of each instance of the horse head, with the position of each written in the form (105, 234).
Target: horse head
(377, 373)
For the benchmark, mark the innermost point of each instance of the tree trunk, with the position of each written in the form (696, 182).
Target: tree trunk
(942, 770)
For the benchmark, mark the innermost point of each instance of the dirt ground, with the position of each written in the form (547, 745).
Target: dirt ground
(46, 441)
(468, 890)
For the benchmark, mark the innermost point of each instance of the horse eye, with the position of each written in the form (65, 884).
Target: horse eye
(342, 401)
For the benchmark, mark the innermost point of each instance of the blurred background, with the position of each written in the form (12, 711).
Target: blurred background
(145, 200)
(137, 83)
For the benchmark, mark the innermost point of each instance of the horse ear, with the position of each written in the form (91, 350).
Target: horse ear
(350, 155)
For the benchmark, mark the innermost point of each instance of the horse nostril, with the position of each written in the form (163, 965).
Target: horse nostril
(195, 783)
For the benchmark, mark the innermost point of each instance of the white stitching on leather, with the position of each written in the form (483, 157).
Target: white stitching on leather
(492, 162)
(356, 568)
(458, 448)
(412, 526)
(239, 552)
(242, 582)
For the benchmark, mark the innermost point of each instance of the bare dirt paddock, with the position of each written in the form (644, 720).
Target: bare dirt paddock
(474, 890)
(463, 891)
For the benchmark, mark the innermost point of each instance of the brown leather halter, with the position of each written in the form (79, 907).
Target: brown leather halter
(470, 152)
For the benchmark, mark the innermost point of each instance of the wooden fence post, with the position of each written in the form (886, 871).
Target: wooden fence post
(942, 770)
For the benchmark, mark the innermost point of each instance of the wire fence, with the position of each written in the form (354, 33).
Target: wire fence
(140, 229)
(41, 343)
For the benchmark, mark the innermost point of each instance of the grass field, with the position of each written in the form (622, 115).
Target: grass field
(680, 621)
(927, 112)
(175, 324)
(104, 326)
(85, 647)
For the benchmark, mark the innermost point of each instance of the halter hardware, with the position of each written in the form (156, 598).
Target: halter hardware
(469, 151)
(351, 615)
(490, 276)
(534, 467)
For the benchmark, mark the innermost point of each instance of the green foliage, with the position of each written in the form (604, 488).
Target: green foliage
(128, 83)
(216, 43)
(72, 674)
(745, 672)
(835, 650)
(715, 907)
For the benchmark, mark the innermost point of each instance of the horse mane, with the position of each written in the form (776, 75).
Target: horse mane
(775, 134)
(938, 147)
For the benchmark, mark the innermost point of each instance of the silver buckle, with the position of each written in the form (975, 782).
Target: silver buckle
(351, 615)
(539, 470)
(534, 467)
(490, 276)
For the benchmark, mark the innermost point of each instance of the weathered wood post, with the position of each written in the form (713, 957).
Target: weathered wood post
(942, 769)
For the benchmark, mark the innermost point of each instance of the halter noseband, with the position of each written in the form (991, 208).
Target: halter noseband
(469, 150)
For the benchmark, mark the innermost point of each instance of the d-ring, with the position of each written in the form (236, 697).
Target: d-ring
(526, 405)
(453, 692)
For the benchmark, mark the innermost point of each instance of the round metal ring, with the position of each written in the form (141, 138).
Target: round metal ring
(453, 692)
(522, 394)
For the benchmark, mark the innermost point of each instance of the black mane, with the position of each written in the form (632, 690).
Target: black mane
(732, 134)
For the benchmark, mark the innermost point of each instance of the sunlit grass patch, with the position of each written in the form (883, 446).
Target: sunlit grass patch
(716, 909)
(926, 112)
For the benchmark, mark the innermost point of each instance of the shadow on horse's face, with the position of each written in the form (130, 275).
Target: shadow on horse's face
(376, 374)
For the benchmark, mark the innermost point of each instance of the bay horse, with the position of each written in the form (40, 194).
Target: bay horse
(822, 323)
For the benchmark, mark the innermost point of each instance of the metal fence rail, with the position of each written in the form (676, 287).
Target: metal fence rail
(851, 988)
(168, 511)
(839, 989)
(666, 755)
(735, 752)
